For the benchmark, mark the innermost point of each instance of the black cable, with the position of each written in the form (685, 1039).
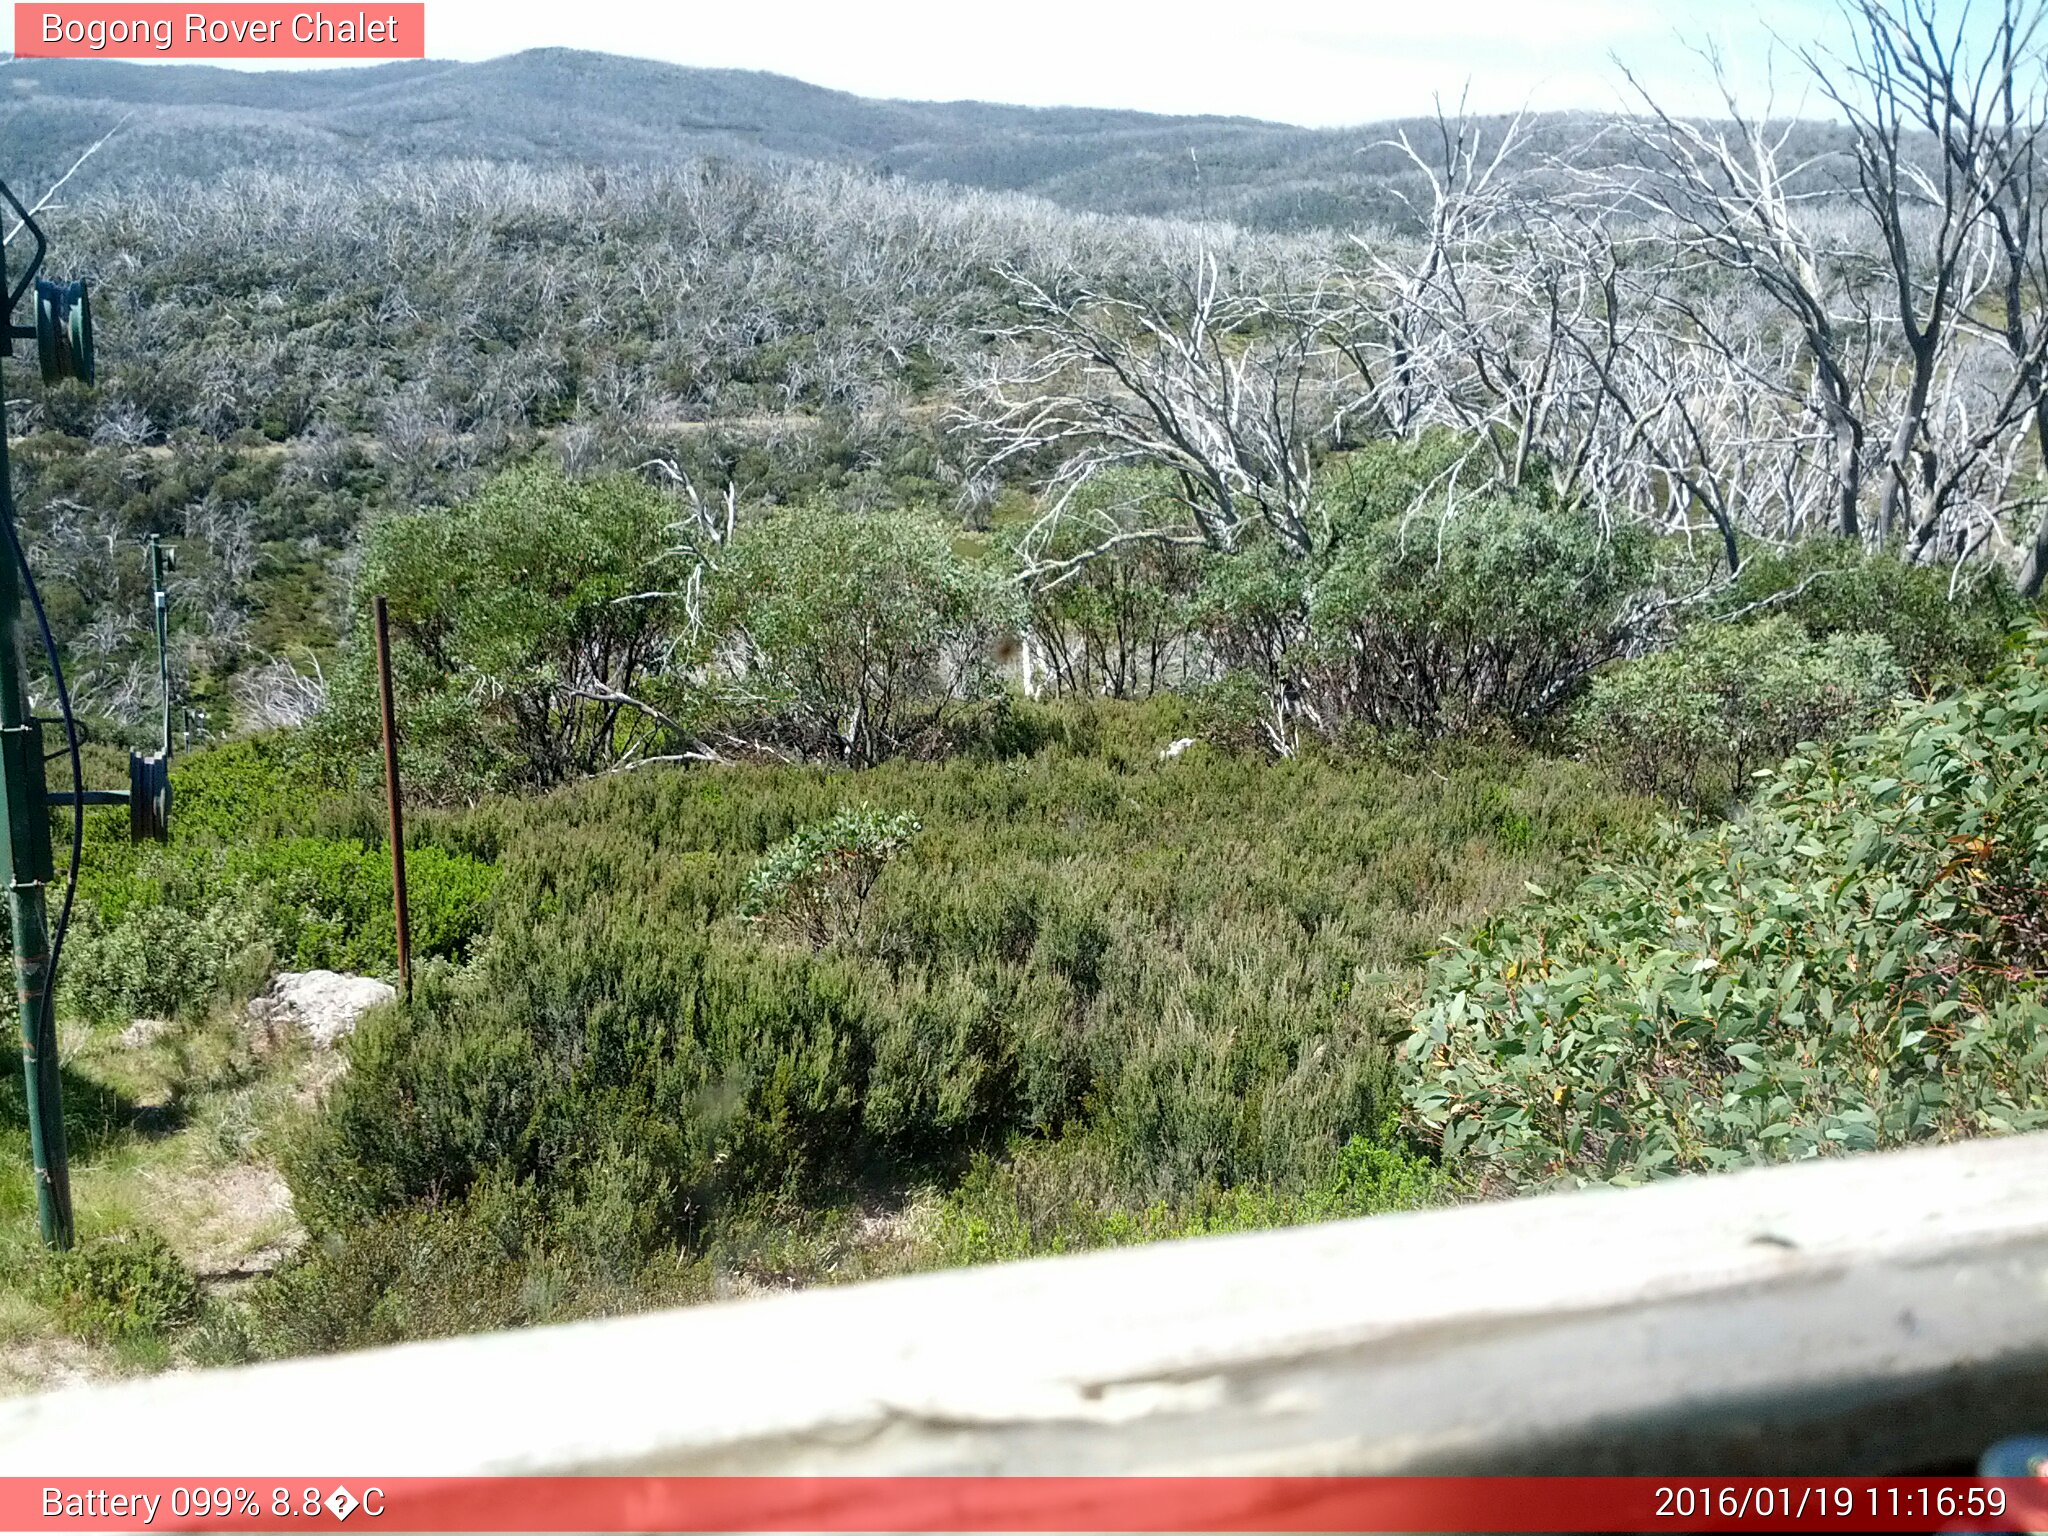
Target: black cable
(28, 582)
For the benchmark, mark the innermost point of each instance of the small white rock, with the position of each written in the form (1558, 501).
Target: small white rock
(324, 1004)
(143, 1032)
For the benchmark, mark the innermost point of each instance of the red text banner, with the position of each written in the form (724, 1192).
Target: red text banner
(1023, 1504)
(233, 31)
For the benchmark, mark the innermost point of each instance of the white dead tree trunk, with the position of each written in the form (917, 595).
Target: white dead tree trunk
(1411, 316)
(700, 533)
(1902, 78)
(1232, 391)
(1921, 311)
(1981, 95)
(1734, 202)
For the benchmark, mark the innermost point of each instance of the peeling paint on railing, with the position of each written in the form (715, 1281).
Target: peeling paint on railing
(1885, 1312)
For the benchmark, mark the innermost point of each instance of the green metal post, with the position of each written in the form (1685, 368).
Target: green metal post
(28, 868)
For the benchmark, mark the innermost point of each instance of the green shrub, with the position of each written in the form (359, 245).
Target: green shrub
(184, 924)
(1189, 963)
(158, 961)
(122, 1286)
(817, 881)
(1375, 1175)
(1857, 963)
(238, 791)
(1268, 618)
(1444, 619)
(480, 1264)
(1065, 1197)
(1943, 638)
(419, 1274)
(1251, 610)
(1118, 622)
(851, 636)
(538, 633)
(427, 1107)
(1728, 700)
(1390, 477)
(235, 794)
(327, 904)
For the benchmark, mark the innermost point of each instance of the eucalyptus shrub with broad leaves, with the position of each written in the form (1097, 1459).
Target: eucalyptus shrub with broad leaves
(1947, 629)
(539, 634)
(1858, 963)
(1110, 608)
(852, 636)
(1496, 610)
(817, 882)
(1728, 700)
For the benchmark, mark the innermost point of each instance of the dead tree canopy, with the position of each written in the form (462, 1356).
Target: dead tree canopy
(1745, 328)
(1236, 391)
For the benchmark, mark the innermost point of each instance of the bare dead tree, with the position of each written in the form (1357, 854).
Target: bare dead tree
(1724, 439)
(1902, 76)
(704, 529)
(277, 695)
(1922, 319)
(1403, 306)
(48, 199)
(1984, 102)
(1230, 389)
(1732, 200)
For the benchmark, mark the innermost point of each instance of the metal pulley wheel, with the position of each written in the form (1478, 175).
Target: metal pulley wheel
(149, 798)
(64, 331)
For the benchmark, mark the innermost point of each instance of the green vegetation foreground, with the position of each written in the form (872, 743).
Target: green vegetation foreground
(925, 972)
(1100, 995)
(1074, 991)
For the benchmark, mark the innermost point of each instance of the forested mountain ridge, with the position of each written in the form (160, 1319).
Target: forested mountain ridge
(565, 107)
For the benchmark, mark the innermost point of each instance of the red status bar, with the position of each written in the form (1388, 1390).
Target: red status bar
(1024, 1504)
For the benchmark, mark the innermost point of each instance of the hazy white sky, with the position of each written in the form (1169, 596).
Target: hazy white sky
(1305, 61)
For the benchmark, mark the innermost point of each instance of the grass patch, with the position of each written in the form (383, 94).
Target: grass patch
(170, 1193)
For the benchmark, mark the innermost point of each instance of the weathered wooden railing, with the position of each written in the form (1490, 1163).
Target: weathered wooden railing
(1883, 1313)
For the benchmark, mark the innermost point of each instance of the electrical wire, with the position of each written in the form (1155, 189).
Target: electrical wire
(48, 1027)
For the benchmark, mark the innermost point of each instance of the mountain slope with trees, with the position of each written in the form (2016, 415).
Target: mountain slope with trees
(560, 107)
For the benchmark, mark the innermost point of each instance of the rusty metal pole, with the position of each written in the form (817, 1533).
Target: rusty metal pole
(392, 797)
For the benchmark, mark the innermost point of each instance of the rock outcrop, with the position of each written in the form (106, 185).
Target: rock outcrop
(323, 1005)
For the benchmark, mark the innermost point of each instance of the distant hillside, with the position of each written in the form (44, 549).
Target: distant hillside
(559, 106)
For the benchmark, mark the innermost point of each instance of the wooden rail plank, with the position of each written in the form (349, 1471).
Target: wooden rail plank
(1854, 1314)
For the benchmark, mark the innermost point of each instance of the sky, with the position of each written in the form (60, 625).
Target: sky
(1315, 62)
